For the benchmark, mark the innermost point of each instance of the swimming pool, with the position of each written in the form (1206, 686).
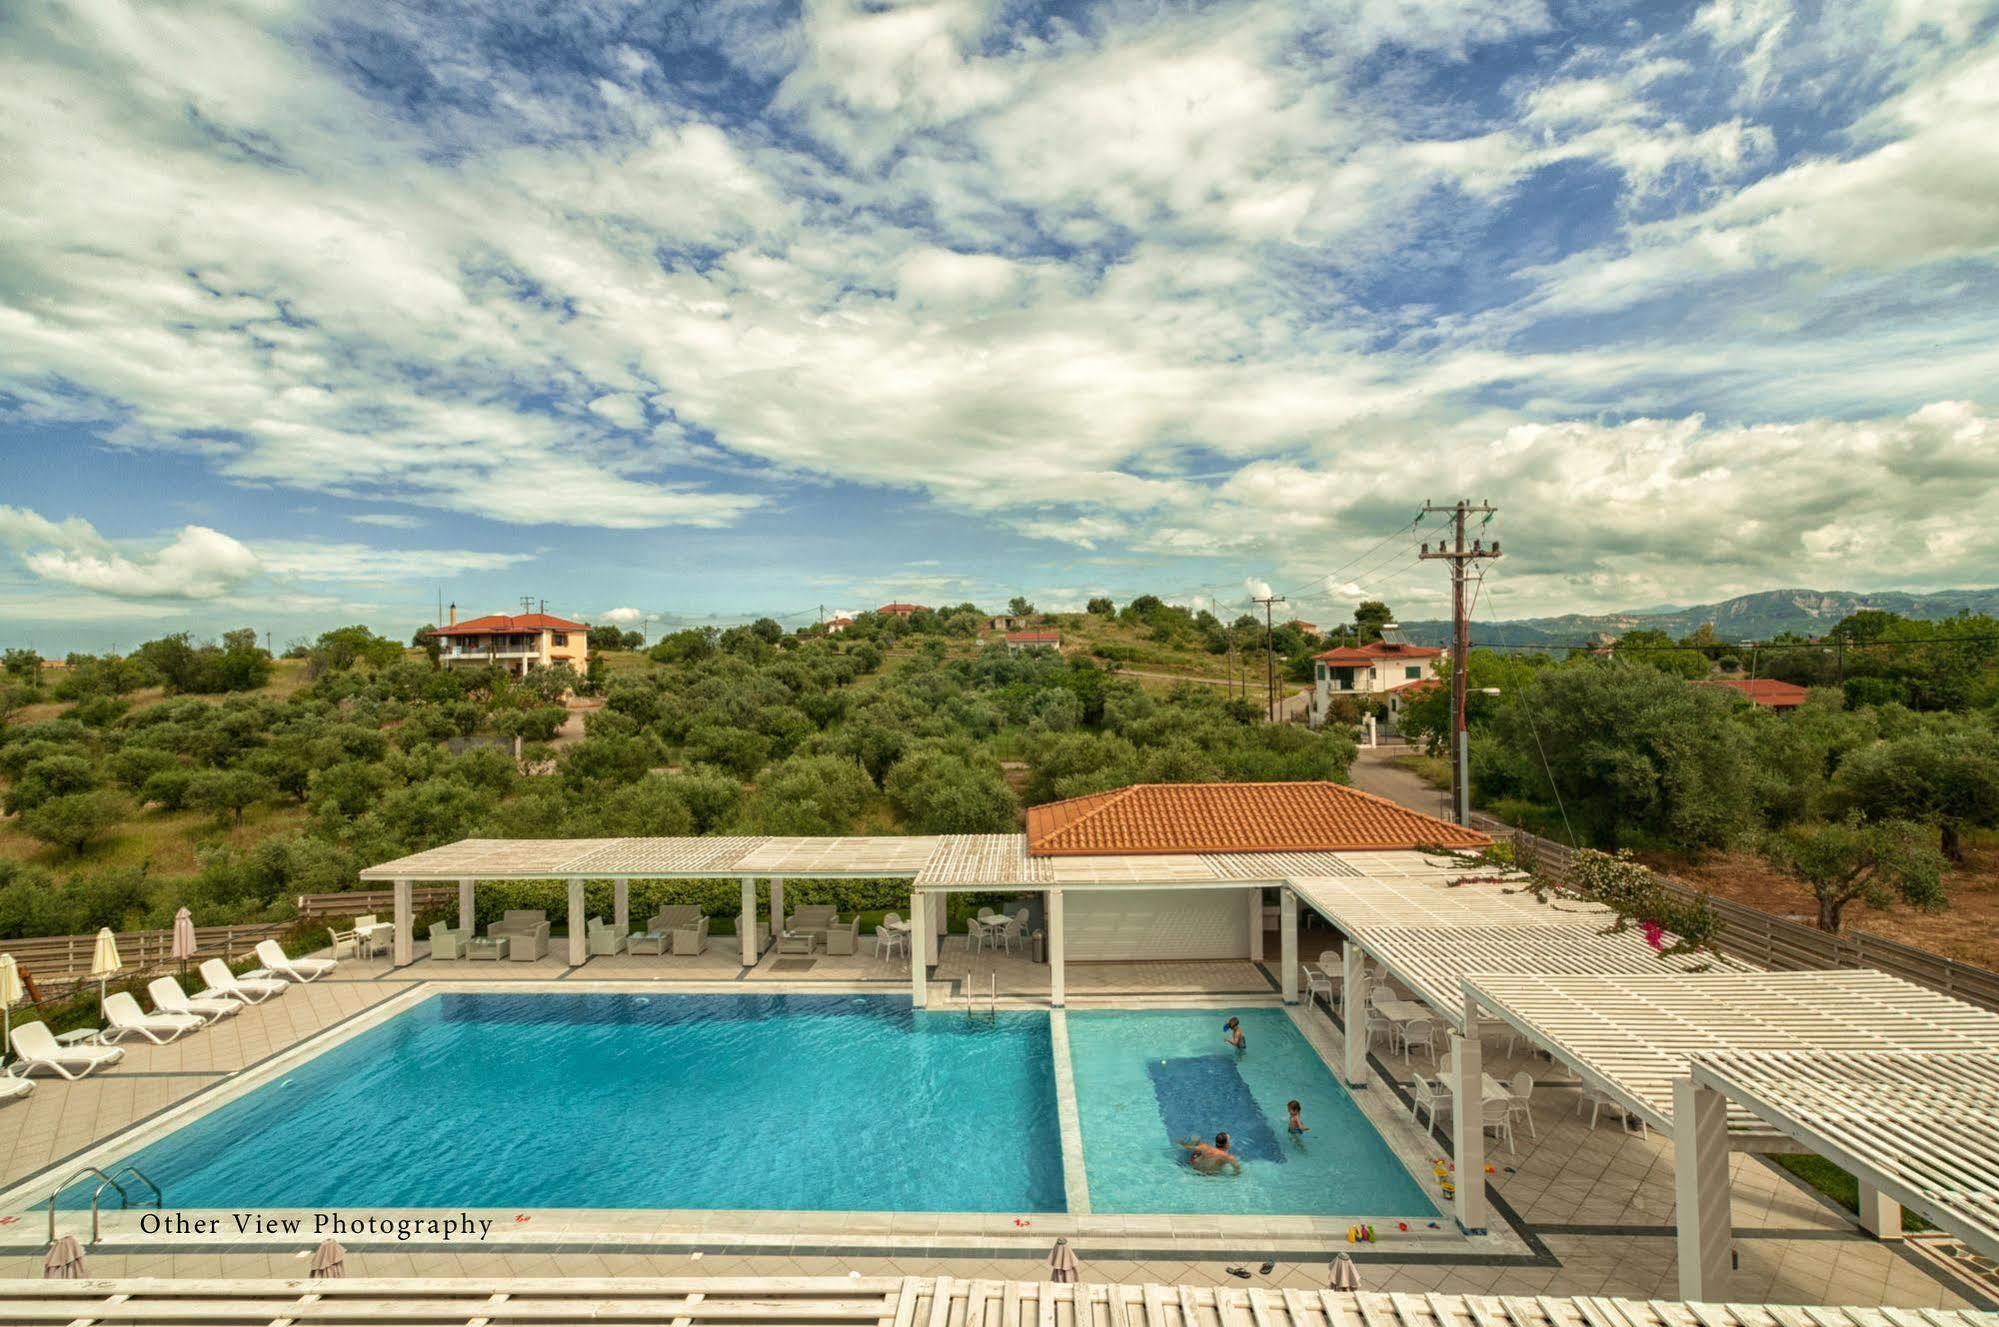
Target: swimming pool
(780, 1103)
(1146, 1078)
(774, 1102)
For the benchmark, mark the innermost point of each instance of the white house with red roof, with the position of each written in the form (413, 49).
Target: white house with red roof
(518, 643)
(1373, 674)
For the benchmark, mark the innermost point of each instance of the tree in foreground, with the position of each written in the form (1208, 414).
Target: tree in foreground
(1878, 864)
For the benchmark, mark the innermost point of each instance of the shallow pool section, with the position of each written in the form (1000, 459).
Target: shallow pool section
(1145, 1079)
(777, 1102)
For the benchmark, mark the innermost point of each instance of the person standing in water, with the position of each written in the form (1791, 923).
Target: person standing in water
(1296, 1126)
(1232, 1034)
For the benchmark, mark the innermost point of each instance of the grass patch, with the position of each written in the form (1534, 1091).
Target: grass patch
(1836, 1184)
(1433, 770)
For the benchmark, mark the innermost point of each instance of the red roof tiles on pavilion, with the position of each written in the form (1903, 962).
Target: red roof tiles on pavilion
(1158, 818)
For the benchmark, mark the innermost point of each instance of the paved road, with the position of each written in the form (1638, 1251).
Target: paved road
(1374, 773)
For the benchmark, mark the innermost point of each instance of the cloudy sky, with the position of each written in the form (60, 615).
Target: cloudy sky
(312, 312)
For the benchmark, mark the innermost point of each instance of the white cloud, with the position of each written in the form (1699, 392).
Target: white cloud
(624, 617)
(198, 563)
(388, 520)
(365, 563)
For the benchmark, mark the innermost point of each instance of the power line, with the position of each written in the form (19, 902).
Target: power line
(1461, 558)
(1270, 652)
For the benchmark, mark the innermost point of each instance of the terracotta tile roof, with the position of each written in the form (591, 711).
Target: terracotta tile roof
(1763, 690)
(501, 624)
(1347, 656)
(900, 609)
(1034, 638)
(1235, 817)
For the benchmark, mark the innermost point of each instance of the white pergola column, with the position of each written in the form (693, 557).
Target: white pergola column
(1468, 1122)
(405, 943)
(1056, 991)
(747, 922)
(1353, 1004)
(1287, 950)
(1700, 1182)
(776, 908)
(579, 939)
(940, 925)
(621, 907)
(1880, 1215)
(919, 928)
(1256, 925)
(467, 916)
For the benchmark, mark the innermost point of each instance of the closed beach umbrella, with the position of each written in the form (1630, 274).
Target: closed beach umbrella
(10, 993)
(104, 962)
(1345, 1275)
(64, 1261)
(1061, 1262)
(183, 938)
(329, 1262)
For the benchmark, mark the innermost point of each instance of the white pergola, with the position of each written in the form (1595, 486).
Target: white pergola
(1919, 1129)
(1428, 933)
(933, 864)
(1639, 1040)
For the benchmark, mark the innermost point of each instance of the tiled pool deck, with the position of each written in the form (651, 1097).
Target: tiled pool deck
(1592, 1210)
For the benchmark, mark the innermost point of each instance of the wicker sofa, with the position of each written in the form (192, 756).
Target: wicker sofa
(843, 937)
(818, 918)
(604, 938)
(446, 943)
(681, 929)
(526, 930)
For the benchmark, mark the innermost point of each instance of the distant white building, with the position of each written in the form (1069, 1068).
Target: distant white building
(1378, 673)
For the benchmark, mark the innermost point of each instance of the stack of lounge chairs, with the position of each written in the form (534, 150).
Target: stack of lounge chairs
(175, 1014)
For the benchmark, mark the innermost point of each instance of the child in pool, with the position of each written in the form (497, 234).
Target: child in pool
(1296, 1126)
(1232, 1034)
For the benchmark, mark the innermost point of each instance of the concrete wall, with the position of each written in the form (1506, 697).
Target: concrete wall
(1116, 924)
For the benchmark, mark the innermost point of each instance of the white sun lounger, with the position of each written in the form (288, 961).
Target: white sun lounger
(295, 969)
(126, 1018)
(38, 1048)
(13, 1089)
(217, 979)
(169, 998)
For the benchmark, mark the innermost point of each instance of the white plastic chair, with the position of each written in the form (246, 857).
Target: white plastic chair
(887, 942)
(1015, 929)
(976, 935)
(1431, 1097)
(126, 1018)
(1522, 1088)
(169, 998)
(217, 979)
(1410, 1031)
(1497, 1117)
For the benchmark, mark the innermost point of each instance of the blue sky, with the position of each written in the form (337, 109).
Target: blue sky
(311, 313)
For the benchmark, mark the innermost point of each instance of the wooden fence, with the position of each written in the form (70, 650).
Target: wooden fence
(1776, 942)
(355, 902)
(57, 962)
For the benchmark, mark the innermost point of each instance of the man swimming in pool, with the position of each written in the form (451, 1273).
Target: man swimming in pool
(1232, 1034)
(1209, 1158)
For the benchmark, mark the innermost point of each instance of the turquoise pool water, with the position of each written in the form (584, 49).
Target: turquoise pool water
(779, 1103)
(1144, 1079)
(796, 1103)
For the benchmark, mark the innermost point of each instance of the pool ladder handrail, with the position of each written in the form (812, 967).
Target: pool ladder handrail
(105, 1181)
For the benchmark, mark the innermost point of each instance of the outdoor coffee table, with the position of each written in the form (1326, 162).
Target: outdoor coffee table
(486, 947)
(797, 942)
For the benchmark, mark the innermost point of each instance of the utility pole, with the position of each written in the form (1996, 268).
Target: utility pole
(1269, 654)
(527, 604)
(1461, 558)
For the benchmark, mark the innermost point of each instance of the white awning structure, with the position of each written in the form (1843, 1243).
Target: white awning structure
(874, 1300)
(1641, 1041)
(1633, 1036)
(1921, 1127)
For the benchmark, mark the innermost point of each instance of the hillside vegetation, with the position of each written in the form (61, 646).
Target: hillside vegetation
(129, 792)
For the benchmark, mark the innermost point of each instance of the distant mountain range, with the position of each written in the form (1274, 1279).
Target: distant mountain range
(1748, 617)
